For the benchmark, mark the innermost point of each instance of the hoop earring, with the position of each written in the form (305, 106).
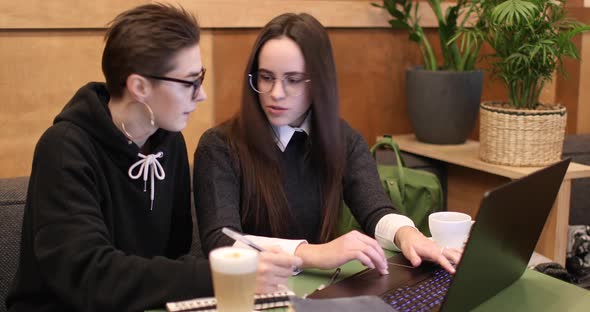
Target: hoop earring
(125, 132)
(152, 121)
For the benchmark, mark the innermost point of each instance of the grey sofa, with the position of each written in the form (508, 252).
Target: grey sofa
(578, 148)
(13, 192)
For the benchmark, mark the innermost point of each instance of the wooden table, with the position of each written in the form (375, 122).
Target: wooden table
(469, 178)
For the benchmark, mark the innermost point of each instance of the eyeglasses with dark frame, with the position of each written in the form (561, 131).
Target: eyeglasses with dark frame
(196, 84)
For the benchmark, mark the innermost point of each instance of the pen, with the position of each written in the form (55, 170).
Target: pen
(401, 265)
(330, 282)
(334, 276)
(241, 238)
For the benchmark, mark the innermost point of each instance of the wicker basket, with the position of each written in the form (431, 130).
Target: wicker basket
(517, 137)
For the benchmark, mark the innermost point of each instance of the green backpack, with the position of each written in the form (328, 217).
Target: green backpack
(414, 193)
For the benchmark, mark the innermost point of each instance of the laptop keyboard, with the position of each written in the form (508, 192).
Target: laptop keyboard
(423, 296)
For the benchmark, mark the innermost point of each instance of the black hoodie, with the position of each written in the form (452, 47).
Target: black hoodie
(90, 241)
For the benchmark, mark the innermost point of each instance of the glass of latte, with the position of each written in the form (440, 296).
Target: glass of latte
(234, 278)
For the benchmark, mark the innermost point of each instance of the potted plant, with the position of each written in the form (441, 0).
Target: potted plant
(443, 99)
(530, 38)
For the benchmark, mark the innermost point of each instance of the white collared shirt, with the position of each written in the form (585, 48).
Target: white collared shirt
(283, 134)
(384, 231)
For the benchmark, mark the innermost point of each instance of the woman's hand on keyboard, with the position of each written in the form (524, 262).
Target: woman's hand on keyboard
(416, 247)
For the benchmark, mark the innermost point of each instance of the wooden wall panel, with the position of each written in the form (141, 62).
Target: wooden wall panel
(583, 122)
(371, 79)
(575, 3)
(202, 118)
(42, 70)
(231, 49)
(34, 14)
(568, 89)
(574, 89)
(332, 13)
(43, 14)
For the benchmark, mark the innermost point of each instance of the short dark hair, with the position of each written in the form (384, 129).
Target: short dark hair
(144, 40)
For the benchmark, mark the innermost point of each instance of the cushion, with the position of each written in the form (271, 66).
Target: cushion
(577, 147)
(13, 192)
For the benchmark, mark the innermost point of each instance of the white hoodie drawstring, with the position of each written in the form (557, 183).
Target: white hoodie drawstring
(148, 163)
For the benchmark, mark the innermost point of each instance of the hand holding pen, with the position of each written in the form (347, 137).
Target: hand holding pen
(274, 265)
(243, 239)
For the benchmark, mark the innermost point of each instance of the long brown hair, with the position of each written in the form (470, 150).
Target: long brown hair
(264, 208)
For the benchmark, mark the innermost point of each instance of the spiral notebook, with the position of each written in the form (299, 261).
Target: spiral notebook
(209, 304)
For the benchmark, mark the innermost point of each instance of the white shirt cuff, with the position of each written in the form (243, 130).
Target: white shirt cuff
(387, 228)
(288, 245)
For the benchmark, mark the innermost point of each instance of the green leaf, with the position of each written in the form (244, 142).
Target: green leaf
(575, 31)
(452, 14)
(511, 12)
(399, 24)
(405, 15)
(535, 50)
(397, 14)
(415, 37)
(408, 7)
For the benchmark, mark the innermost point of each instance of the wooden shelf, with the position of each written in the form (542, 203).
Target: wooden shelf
(467, 155)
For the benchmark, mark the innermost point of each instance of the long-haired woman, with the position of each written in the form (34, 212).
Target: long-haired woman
(280, 169)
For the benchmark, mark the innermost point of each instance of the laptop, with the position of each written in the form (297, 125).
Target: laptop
(506, 231)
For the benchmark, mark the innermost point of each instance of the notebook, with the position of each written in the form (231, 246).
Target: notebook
(209, 304)
(506, 231)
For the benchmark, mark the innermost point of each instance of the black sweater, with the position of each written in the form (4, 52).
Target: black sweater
(217, 185)
(90, 241)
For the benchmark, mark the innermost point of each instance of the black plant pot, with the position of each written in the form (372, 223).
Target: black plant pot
(443, 105)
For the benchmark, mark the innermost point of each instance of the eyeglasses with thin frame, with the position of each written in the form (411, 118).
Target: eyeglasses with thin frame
(196, 84)
(293, 84)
